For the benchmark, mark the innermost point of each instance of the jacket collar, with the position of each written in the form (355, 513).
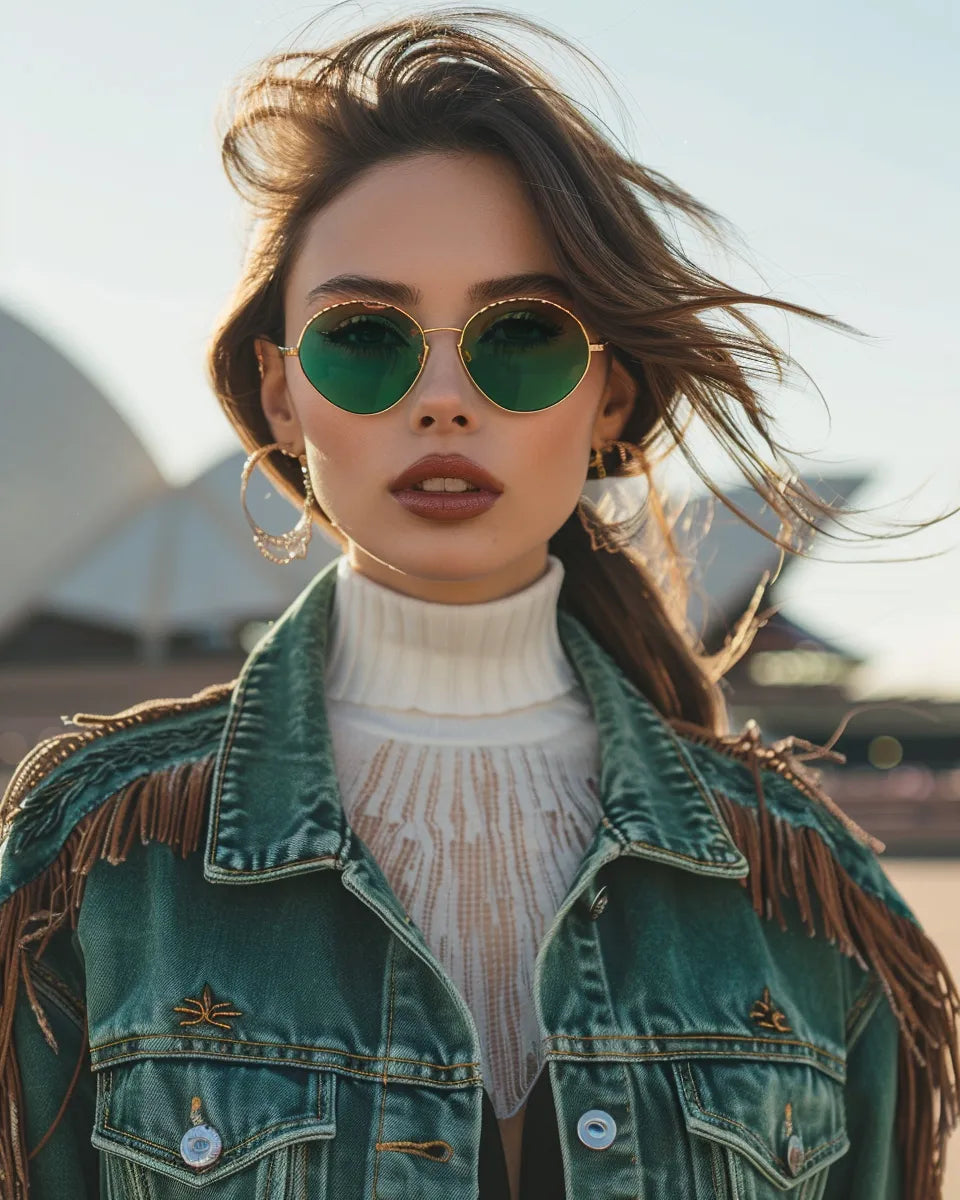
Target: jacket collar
(276, 808)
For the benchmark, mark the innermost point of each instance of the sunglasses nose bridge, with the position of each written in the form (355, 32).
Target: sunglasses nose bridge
(443, 329)
(463, 353)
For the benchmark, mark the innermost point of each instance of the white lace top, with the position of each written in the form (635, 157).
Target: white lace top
(467, 757)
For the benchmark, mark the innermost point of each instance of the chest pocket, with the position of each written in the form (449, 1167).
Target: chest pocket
(172, 1127)
(761, 1130)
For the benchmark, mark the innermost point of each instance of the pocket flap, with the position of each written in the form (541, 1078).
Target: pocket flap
(145, 1107)
(787, 1120)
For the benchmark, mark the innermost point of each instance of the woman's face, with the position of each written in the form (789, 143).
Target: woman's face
(439, 224)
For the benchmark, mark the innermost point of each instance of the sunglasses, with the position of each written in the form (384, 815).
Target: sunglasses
(523, 354)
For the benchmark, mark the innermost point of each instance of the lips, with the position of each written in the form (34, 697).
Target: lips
(446, 466)
(446, 506)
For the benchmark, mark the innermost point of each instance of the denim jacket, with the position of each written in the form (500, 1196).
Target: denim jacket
(211, 990)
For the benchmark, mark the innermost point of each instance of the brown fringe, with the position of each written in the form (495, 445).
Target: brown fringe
(748, 747)
(48, 754)
(167, 806)
(796, 862)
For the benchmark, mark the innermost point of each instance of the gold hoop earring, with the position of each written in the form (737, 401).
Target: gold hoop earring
(294, 543)
(629, 453)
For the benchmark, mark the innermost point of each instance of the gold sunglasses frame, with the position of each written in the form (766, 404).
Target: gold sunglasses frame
(592, 347)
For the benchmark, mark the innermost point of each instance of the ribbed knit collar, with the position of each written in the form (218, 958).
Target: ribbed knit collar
(390, 650)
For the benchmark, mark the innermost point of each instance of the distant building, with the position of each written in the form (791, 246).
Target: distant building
(169, 597)
(901, 774)
(70, 466)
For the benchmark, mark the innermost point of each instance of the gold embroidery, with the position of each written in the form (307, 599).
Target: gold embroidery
(765, 1013)
(205, 1011)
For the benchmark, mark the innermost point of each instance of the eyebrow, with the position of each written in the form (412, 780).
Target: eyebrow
(487, 291)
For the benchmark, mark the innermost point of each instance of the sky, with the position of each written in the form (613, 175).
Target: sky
(825, 133)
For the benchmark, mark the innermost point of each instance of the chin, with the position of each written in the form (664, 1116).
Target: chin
(453, 553)
(450, 564)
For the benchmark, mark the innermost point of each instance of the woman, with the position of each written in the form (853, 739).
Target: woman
(476, 778)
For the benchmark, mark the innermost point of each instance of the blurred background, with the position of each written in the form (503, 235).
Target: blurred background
(825, 133)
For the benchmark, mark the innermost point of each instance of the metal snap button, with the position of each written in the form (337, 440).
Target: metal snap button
(596, 1129)
(795, 1153)
(200, 1146)
(598, 903)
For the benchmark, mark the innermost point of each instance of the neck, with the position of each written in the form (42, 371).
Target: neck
(389, 650)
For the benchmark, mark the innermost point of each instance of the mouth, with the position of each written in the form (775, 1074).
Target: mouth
(446, 487)
(438, 484)
(444, 473)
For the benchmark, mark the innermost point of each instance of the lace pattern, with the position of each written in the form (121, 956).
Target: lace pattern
(480, 843)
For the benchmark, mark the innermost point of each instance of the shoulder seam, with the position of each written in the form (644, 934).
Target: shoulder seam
(861, 1010)
(56, 991)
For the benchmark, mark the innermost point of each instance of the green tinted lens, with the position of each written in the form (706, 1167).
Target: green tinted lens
(525, 355)
(360, 356)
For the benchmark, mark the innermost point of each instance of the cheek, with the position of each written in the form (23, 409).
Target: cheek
(341, 452)
(560, 446)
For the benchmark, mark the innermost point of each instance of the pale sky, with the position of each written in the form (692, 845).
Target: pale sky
(826, 133)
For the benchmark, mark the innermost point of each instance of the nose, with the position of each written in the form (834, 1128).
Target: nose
(444, 394)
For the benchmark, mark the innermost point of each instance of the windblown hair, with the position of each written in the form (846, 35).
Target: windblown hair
(303, 125)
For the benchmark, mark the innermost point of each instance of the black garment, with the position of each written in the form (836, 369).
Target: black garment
(541, 1164)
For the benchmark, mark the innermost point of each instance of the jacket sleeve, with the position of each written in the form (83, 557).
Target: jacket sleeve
(872, 1168)
(48, 1088)
(83, 796)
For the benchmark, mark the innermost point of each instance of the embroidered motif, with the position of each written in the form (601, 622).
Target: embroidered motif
(767, 1015)
(205, 1011)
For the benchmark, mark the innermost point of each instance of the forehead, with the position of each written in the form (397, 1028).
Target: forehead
(437, 223)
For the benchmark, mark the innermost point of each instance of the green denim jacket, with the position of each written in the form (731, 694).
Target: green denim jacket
(210, 989)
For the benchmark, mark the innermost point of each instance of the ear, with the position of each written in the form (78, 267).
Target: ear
(616, 404)
(275, 398)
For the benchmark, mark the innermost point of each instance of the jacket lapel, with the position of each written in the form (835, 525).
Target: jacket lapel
(657, 803)
(276, 808)
(275, 804)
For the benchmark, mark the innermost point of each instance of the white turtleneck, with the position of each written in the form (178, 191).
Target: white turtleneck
(467, 757)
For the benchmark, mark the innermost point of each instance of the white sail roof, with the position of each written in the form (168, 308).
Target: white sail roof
(187, 560)
(70, 466)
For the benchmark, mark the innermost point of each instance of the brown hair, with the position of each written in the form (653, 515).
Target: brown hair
(304, 124)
